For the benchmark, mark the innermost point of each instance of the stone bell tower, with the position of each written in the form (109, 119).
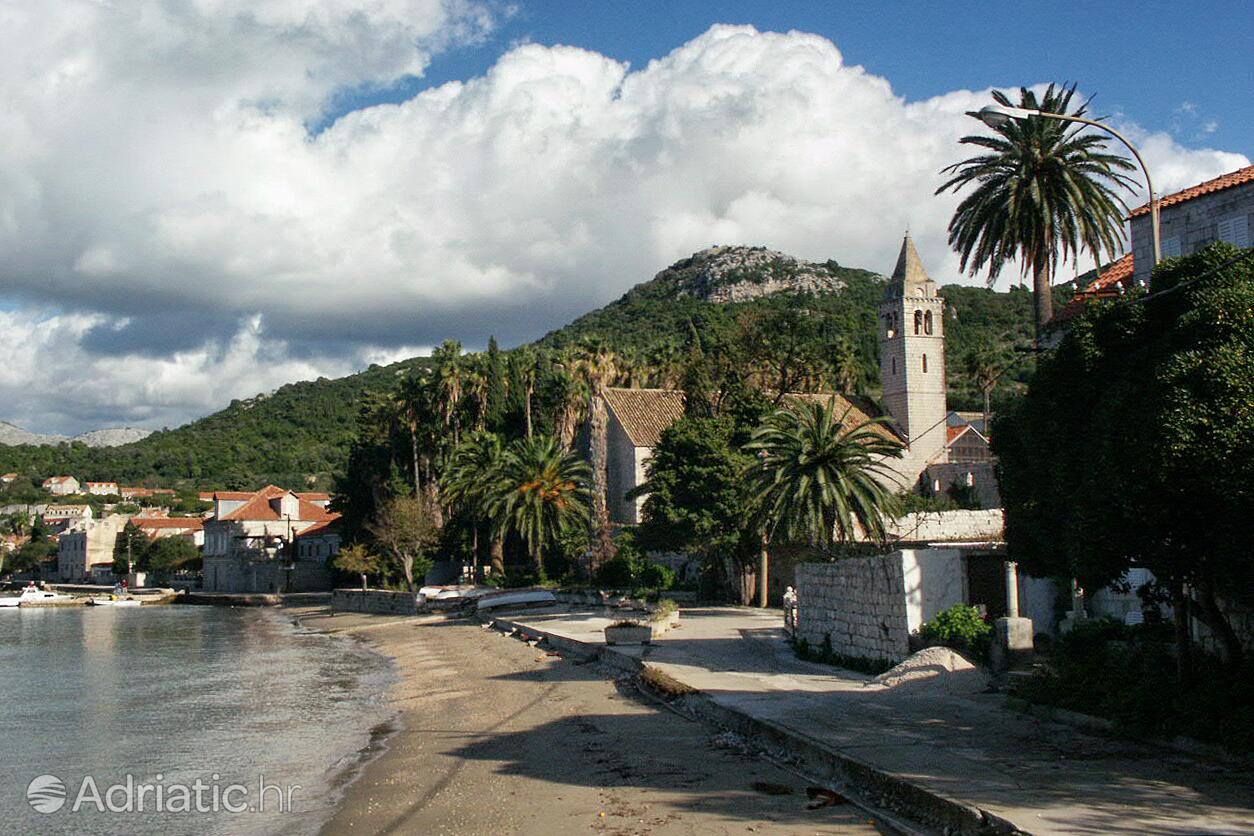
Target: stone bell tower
(912, 360)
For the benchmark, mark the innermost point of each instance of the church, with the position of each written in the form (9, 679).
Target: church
(912, 370)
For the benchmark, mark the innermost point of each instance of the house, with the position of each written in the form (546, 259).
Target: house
(967, 445)
(1216, 210)
(60, 518)
(912, 367)
(86, 545)
(143, 493)
(252, 543)
(61, 485)
(193, 528)
(102, 488)
(322, 500)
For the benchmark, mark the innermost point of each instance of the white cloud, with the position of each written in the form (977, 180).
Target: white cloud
(157, 161)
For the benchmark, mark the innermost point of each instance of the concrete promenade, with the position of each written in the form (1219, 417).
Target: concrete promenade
(967, 763)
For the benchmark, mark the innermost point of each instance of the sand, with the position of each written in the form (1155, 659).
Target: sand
(935, 670)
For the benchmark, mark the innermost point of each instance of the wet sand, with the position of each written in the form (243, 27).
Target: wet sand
(493, 736)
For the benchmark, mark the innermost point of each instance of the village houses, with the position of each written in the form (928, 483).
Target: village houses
(61, 485)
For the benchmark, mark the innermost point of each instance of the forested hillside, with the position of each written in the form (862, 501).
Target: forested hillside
(804, 325)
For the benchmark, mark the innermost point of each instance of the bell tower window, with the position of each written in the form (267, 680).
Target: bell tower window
(925, 364)
(918, 321)
(927, 323)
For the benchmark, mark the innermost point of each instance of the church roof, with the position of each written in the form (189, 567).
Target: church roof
(909, 276)
(646, 413)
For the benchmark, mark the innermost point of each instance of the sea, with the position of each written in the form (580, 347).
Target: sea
(180, 719)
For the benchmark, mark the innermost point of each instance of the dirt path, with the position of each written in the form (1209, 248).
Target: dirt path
(499, 737)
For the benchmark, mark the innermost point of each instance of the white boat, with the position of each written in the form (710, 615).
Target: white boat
(120, 602)
(521, 598)
(33, 595)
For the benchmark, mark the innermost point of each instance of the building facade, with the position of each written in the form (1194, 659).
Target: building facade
(61, 485)
(86, 545)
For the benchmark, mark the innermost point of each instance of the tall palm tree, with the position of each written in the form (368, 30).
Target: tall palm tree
(1042, 192)
(469, 480)
(599, 366)
(539, 493)
(817, 479)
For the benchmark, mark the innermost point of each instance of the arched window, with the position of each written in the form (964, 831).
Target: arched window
(918, 321)
(894, 366)
(925, 364)
(927, 322)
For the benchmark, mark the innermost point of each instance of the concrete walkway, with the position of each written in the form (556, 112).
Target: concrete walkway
(1001, 767)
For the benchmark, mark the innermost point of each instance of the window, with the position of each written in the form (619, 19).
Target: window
(894, 366)
(927, 322)
(925, 364)
(1235, 230)
(918, 321)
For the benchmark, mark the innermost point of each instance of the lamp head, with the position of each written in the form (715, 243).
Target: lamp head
(998, 116)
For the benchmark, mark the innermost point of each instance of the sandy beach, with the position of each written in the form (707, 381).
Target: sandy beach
(493, 736)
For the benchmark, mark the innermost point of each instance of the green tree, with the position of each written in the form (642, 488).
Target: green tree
(1135, 444)
(128, 548)
(1042, 192)
(468, 482)
(169, 554)
(540, 493)
(357, 560)
(407, 528)
(816, 479)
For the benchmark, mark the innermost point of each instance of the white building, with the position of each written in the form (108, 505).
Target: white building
(102, 488)
(61, 485)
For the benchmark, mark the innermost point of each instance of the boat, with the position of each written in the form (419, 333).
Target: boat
(115, 602)
(34, 595)
(520, 598)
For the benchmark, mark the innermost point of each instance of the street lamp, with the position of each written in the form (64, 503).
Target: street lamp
(998, 116)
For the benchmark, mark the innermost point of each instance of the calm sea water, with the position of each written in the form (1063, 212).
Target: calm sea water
(183, 693)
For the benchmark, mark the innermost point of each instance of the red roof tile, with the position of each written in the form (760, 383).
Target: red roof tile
(258, 507)
(1224, 181)
(1106, 286)
(324, 527)
(169, 522)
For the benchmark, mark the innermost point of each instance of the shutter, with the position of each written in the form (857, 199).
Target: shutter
(1171, 247)
(1235, 230)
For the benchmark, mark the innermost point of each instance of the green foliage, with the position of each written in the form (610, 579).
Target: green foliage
(814, 479)
(128, 548)
(405, 530)
(1107, 669)
(1043, 191)
(1135, 443)
(657, 577)
(961, 628)
(167, 554)
(357, 559)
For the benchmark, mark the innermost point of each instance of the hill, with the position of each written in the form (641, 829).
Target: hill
(299, 435)
(12, 435)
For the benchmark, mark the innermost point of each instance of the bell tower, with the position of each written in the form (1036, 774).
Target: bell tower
(912, 358)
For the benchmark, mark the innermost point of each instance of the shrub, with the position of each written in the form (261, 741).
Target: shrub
(656, 576)
(961, 628)
(619, 573)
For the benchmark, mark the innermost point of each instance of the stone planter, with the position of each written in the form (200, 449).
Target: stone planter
(633, 634)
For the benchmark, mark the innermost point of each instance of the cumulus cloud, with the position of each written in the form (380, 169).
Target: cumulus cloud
(159, 179)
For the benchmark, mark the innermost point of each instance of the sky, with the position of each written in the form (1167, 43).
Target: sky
(204, 200)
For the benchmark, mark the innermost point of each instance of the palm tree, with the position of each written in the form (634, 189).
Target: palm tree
(451, 383)
(599, 366)
(539, 493)
(817, 479)
(1043, 192)
(469, 480)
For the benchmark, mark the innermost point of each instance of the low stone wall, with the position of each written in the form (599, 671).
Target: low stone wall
(950, 526)
(857, 604)
(380, 601)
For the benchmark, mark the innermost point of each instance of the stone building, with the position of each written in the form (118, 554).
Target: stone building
(102, 488)
(252, 543)
(61, 485)
(87, 544)
(1221, 209)
(912, 364)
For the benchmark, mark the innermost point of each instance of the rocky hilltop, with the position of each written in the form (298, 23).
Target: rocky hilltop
(739, 274)
(13, 435)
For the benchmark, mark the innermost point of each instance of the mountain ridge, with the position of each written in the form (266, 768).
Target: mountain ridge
(11, 435)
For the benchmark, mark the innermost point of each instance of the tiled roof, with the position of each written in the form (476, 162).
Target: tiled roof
(324, 527)
(1106, 286)
(1224, 181)
(645, 413)
(315, 496)
(169, 522)
(233, 495)
(258, 507)
(954, 432)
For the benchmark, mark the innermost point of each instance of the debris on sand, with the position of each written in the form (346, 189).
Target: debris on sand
(935, 670)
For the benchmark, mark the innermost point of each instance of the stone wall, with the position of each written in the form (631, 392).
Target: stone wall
(240, 575)
(950, 527)
(1191, 225)
(380, 601)
(857, 604)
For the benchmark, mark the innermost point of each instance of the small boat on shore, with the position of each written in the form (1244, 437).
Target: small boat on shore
(517, 599)
(118, 602)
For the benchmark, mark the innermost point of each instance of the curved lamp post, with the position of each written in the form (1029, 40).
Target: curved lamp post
(997, 116)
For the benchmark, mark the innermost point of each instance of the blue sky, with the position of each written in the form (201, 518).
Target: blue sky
(1166, 69)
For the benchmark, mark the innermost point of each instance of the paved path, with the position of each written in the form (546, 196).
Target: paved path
(1043, 776)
